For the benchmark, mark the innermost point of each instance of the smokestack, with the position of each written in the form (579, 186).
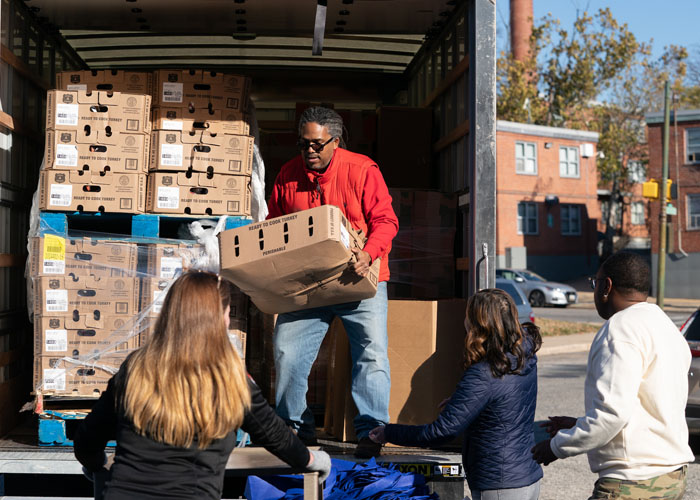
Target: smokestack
(521, 15)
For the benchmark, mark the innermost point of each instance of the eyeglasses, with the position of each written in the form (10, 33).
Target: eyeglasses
(305, 144)
(592, 281)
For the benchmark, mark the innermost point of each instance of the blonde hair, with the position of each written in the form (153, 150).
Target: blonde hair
(187, 383)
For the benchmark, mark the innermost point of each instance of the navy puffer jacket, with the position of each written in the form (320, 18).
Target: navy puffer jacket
(496, 416)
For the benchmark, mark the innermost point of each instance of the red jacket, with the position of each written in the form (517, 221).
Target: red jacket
(353, 183)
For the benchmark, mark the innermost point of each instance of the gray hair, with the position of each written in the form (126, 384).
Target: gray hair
(325, 117)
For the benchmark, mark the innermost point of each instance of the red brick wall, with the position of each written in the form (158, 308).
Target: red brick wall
(512, 188)
(689, 183)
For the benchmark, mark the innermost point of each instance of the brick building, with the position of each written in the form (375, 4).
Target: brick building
(683, 259)
(546, 200)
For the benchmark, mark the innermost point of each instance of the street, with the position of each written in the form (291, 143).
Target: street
(586, 313)
(561, 379)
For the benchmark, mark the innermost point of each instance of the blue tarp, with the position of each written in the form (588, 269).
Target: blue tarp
(347, 481)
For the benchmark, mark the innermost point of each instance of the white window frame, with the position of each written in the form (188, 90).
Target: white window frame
(566, 164)
(521, 160)
(693, 220)
(695, 149)
(523, 220)
(636, 173)
(637, 212)
(569, 209)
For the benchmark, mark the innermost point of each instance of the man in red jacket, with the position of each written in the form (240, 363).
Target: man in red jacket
(326, 174)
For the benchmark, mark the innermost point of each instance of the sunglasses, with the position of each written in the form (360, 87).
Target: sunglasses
(305, 144)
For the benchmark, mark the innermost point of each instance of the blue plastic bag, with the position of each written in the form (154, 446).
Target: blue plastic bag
(347, 481)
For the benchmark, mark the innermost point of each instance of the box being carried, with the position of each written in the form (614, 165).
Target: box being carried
(198, 193)
(98, 115)
(201, 151)
(201, 89)
(297, 261)
(85, 191)
(129, 82)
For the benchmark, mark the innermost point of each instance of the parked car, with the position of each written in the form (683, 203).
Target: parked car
(691, 332)
(511, 288)
(538, 290)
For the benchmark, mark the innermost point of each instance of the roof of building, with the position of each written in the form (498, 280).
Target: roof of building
(683, 115)
(543, 131)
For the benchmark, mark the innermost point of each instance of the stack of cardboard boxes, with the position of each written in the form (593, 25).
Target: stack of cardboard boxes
(86, 295)
(202, 155)
(96, 154)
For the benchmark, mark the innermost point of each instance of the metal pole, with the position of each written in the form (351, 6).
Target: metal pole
(661, 278)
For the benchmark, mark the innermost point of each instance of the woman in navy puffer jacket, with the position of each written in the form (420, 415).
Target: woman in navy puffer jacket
(493, 405)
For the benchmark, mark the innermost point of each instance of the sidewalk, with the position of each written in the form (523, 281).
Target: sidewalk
(562, 344)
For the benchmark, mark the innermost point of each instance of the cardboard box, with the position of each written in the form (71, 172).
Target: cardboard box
(65, 190)
(98, 115)
(198, 193)
(296, 261)
(237, 334)
(84, 336)
(203, 151)
(186, 119)
(153, 292)
(73, 296)
(426, 354)
(168, 260)
(122, 152)
(129, 82)
(64, 376)
(200, 88)
(53, 255)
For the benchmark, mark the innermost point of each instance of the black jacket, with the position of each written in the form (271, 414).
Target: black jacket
(496, 416)
(145, 469)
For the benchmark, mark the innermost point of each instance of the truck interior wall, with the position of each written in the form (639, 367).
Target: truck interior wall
(29, 58)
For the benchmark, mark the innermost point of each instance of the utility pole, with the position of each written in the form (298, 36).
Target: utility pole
(661, 278)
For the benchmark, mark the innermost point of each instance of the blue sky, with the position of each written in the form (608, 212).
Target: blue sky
(666, 21)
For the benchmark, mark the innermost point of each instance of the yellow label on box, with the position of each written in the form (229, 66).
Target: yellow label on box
(54, 247)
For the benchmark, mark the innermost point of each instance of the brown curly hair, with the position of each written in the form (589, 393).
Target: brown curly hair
(493, 331)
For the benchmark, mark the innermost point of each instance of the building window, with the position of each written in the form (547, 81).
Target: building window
(692, 144)
(526, 158)
(570, 219)
(693, 211)
(568, 162)
(637, 213)
(527, 218)
(636, 173)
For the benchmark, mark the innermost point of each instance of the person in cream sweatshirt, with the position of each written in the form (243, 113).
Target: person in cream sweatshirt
(636, 387)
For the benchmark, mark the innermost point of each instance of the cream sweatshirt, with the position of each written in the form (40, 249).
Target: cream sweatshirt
(635, 395)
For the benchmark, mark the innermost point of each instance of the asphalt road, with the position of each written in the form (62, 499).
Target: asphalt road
(586, 313)
(561, 379)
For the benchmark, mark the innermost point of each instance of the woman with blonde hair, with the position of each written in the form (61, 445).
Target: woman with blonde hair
(493, 405)
(175, 405)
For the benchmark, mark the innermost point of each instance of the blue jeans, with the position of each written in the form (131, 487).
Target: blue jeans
(297, 339)
(531, 492)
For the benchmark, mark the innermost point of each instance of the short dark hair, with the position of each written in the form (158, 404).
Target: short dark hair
(325, 117)
(628, 272)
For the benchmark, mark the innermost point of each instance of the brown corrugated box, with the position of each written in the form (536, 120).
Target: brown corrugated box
(202, 151)
(66, 190)
(129, 82)
(98, 114)
(200, 88)
(53, 255)
(68, 296)
(121, 153)
(189, 119)
(54, 375)
(85, 335)
(426, 352)
(296, 261)
(167, 260)
(198, 193)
